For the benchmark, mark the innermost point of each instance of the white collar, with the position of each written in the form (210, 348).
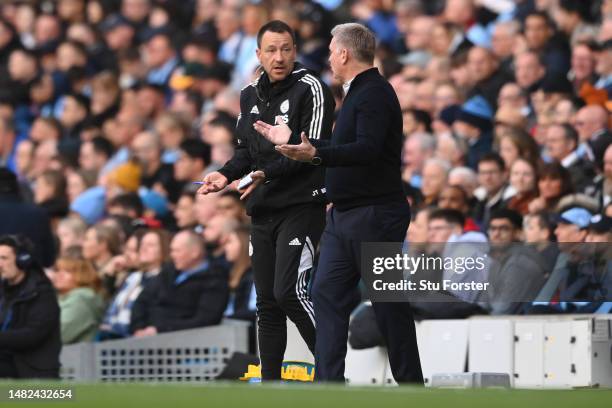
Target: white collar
(570, 159)
(347, 85)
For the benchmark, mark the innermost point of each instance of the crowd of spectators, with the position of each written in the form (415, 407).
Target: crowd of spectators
(111, 109)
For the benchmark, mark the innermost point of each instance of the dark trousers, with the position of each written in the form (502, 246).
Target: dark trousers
(283, 249)
(335, 291)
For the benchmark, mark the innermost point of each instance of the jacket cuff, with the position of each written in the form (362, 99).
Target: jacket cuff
(228, 174)
(272, 170)
(325, 154)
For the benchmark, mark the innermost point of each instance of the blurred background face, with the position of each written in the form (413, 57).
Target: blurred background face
(510, 95)
(569, 233)
(44, 190)
(439, 231)
(21, 67)
(417, 230)
(528, 70)
(583, 62)
(508, 151)
(480, 64)
(522, 177)
(63, 280)
(557, 146)
(232, 247)
(67, 237)
(229, 207)
(184, 253)
(434, 179)
(205, 207)
(135, 10)
(549, 188)
(501, 231)
(452, 198)
(72, 113)
(227, 22)
(130, 252)
(5, 35)
(150, 251)
(91, 246)
(184, 167)
(158, 51)
(184, 212)
(537, 32)
(533, 231)
(608, 163)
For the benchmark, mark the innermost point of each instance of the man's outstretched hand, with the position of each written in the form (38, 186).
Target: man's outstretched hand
(213, 182)
(278, 134)
(303, 152)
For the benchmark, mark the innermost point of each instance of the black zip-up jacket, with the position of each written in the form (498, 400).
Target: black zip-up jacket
(306, 105)
(30, 326)
(170, 303)
(363, 159)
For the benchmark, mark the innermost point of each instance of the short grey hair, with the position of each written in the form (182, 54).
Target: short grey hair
(358, 39)
(426, 141)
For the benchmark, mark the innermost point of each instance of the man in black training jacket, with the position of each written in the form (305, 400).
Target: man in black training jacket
(29, 314)
(286, 201)
(363, 181)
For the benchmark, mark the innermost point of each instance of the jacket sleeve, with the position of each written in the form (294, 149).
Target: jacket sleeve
(316, 120)
(373, 119)
(211, 305)
(242, 161)
(43, 317)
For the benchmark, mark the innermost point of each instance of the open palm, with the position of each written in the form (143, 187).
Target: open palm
(278, 134)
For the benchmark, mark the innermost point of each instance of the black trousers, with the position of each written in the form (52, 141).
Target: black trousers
(283, 249)
(335, 291)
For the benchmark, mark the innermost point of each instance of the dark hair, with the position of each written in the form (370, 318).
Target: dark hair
(569, 133)
(226, 123)
(450, 216)
(422, 117)
(8, 181)
(543, 15)
(57, 181)
(275, 26)
(505, 213)
(556, 171)
(527, 147)
(196, 149)
(128, 201)
(77, 45)
(19, 243)
(81, 100)
(493, 157)
(194, 98)
(545, 221)
(102, 145)
(580, 7)
(188, 192)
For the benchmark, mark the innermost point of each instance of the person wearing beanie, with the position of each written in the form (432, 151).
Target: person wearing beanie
(124, 179)
(473, 122)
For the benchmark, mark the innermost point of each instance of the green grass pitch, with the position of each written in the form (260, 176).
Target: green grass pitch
(230, 394)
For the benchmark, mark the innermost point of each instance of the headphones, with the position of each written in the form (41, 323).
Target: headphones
(23, 258)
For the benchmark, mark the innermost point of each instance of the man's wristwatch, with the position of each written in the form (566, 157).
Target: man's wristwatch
(316, 160)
